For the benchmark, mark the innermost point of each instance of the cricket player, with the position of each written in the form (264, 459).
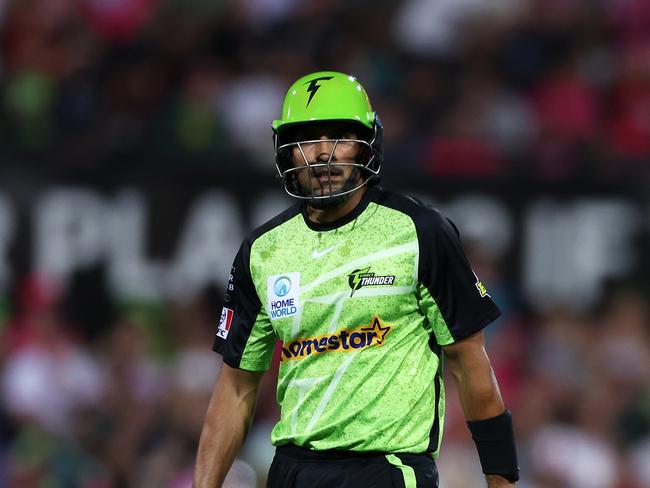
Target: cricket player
(369, 292)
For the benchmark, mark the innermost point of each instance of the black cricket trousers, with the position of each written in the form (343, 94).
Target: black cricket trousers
(297, 467)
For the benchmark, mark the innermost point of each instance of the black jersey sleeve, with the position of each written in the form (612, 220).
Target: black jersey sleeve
(451, 295)
(245, 337)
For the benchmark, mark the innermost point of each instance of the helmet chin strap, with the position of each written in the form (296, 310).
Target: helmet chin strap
(336, 201)
(328, 203)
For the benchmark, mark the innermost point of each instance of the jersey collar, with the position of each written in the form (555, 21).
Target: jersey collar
(369, 196)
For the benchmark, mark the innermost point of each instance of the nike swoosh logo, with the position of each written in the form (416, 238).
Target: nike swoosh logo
(319, 254)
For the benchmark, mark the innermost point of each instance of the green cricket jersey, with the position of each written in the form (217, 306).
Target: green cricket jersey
(361, 307)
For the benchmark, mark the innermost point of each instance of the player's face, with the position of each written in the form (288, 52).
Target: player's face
(326, 142)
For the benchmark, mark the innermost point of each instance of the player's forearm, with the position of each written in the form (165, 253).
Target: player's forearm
(227, 420)
(478, 390)
(496, 481)
(488, 421)
(221, 440)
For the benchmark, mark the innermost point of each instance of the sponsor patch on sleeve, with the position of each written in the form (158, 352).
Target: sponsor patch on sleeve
(224, 322)
(480, 287)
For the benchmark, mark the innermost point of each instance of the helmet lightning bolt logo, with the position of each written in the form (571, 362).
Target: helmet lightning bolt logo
(314, 86)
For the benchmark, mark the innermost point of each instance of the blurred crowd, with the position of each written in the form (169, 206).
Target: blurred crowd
(553, 89)
(122, 407)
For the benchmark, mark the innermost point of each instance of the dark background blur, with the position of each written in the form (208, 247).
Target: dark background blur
(135, 153)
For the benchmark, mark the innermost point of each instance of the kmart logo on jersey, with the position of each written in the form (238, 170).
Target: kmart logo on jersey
(344, 340)
(283, 292)
(481, 287)
(364, 277)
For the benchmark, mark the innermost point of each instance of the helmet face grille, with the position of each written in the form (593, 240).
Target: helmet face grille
(366, 167)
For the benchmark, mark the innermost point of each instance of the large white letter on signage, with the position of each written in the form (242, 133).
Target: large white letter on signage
(207, 245)
(569, 250)
(68, 231)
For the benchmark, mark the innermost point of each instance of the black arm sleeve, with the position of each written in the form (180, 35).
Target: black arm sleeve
(244, 335)
(455, 301)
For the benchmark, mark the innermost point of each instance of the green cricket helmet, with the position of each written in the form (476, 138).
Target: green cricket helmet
(317, 101)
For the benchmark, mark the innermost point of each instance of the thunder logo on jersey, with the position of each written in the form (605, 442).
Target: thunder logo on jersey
(364, 277)
(344, 340)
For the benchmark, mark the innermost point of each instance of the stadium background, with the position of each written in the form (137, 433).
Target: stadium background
(135, 152)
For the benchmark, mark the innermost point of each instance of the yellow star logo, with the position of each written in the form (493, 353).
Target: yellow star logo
(376, 327)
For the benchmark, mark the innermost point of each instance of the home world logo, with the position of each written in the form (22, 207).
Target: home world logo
(283, 292)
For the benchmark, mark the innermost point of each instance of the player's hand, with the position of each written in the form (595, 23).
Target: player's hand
(496, 481)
